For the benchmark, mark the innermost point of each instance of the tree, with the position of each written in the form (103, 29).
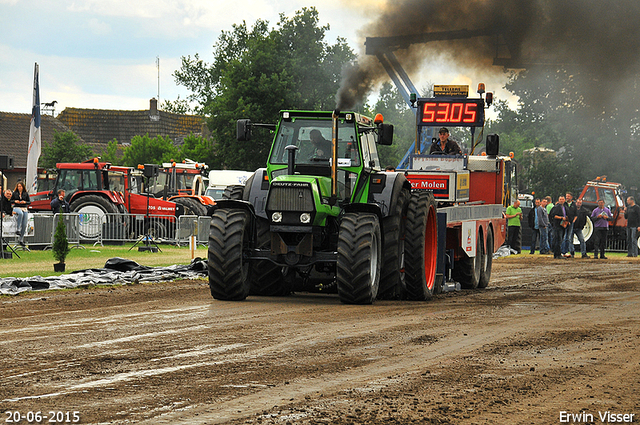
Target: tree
(66, 147)
(395, 111)
(111, 153)
(146, 150)
(197, 148)
(255, 73)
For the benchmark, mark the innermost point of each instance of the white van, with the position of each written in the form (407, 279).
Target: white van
(219, 180)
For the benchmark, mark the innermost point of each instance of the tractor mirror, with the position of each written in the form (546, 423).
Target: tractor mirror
(244, 130)
(385, 134)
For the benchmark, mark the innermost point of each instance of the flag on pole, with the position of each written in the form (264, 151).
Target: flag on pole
(34, 136)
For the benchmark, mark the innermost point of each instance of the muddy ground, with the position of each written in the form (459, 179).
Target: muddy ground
(546, 337)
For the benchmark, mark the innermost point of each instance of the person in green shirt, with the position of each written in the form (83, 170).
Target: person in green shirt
(549, 208)
(514, 216)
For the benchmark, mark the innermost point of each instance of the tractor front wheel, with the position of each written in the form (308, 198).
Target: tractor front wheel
(359, 258)
(228, 269)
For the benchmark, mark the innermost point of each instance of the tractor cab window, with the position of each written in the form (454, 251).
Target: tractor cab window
(116, 181)
(608, 196)
(74, 180)
(313, 139)
(590, 195)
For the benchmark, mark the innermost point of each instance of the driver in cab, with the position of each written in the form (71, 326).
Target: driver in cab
(321, 146)
(445, 146)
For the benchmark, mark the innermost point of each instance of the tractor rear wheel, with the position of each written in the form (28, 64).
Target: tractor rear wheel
(233, 192)
(485, 275)
(94, 211)
(468, 270)
(191, 206)
(266, 277)
(228, 269)
(392, 279)
(359, 258)
(421, 246)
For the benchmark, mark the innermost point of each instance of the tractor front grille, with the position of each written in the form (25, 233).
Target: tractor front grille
(290, 196)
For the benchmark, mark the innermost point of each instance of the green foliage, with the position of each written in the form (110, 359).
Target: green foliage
(111, 153)
(178, 106)
(255, 73)
(60, 246)
(66, 147)
(594, 132)
(197, 148)
(146, 150)
(395, 111)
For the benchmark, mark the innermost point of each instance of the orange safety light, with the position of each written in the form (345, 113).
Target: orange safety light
(511, 155)
(173, 164)
(483, 154)
(140, 167)
(379, 119)
(481, 88)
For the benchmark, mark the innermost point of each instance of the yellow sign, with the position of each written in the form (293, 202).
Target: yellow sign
(442, 90)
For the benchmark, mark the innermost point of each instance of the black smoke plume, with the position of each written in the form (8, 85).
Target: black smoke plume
(597, 37)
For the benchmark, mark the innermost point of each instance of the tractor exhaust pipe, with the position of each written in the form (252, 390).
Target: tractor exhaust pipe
(291, 159)
(334, 159)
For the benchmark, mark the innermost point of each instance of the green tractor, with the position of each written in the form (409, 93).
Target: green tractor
(323, 216)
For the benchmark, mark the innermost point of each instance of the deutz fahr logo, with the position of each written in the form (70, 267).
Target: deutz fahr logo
(290, 184)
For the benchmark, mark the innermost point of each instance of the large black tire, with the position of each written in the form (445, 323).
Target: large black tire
(266, 277)
(359, 258)
(468, 271)
(97, 207)
(234, 192)
(191, 206)
(487, 261)
(392, 279)
(421, 246)
(228, 269)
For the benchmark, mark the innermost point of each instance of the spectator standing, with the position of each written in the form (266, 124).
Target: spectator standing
(5, 204)
(59, 204)
(581, 220)
(632, 214)
(600, 216)
(544, 225)
(559, 219)
(567, 248)
(550, 229)
(514, 216)
(532, 220)
(20, 200)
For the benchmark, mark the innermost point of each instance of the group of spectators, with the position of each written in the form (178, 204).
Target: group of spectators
(15, 204)
(555, 226)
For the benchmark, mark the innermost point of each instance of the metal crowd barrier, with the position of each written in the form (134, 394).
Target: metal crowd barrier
(100, 229)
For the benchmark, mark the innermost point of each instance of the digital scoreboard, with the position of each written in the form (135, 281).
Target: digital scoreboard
(451, 112)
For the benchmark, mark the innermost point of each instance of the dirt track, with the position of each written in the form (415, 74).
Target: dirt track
(547, 336)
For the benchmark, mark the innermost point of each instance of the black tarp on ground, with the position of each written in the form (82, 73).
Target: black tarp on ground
(116, 271)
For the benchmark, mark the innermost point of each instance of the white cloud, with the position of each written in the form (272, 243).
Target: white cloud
(98, 27)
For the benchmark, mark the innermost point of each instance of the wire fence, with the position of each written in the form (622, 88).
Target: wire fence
(100, 229)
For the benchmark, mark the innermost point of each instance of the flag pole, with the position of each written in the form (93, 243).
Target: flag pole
(34, 136)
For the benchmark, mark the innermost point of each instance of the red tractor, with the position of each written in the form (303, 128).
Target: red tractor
(108, 193)
(183, 183)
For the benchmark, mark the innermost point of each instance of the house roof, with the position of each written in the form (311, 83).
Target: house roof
(101, 126)
(95, 127)
(14, 134)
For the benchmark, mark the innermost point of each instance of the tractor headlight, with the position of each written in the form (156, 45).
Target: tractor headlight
(305, 218)
(276, 217)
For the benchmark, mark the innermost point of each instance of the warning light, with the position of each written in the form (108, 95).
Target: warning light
(379, 119)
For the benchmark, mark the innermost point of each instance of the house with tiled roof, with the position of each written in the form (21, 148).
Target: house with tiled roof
(94, 127)
(14, 139)
(98, 127)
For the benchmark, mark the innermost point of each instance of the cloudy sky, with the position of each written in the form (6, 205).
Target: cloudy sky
(101, 54)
